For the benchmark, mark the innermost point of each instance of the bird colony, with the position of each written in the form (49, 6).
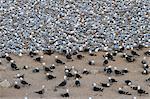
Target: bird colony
(72, 24)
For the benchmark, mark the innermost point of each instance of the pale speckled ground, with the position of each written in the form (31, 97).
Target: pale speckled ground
(83, 92)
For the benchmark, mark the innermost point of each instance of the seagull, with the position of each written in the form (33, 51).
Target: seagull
(105, 84)
(128, 82)
(120, 91)
(117, 72)
(52, 66)
(63, 83)
(25, 67)
(77, 75)
(20, 76)
(46, 69)
(13, 65)
(147, 53)
(77, 83)
(79, 56)
(68, 74)
(85, 71)
(105, 62)
(112, 80)
(38, 59)
(140, 91)
(31, 54)
(36, 70)
(49, 77)
(66, 94)
(58, 61)
(23, 82)
(48, 52)
(125, 70)
(96, 88)
(91, 62)
(8, 58)
(16, 86)
(41, 92)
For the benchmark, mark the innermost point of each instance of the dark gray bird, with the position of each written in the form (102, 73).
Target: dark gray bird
(65, 94)
(96, 88)
(63, 83)
(42, 91)
(77, 83)
(50, 77)
(120, 91)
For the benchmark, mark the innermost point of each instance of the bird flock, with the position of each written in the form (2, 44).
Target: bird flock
(76, 75)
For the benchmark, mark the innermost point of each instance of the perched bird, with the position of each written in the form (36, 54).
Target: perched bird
(108, 69)
(77, 83)
(39, 59)
(25, 67)
(96, 88)
(66, 94)
(79, 56)
(69, 57)
(52, 66)
(125, 70)
(120, 91)
(13, 65)
(148, 79)
(77, 75)
(63, 83)
(32, 54)
(111, 80)
(50, 77)
(48, 52)
(36, 70)
(147, 53)
(16, 86)
(117, 72)
(145, 72)
(8, 58)
(128, 82)
(92, 53)
(134, 87)
(105, 62)
(19, 76)
(23, 82)
(141, 91)
(134, 53)
(42, 91)
(58, 61)
(105, 84)
(144, 61)
(91, 62)
(129, 58)
(46, 69)
(85, 71)
(68, 74)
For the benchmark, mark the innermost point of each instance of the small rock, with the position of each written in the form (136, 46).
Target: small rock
(5, 84)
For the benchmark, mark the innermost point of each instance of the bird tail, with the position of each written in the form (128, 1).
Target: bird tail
(127, 93)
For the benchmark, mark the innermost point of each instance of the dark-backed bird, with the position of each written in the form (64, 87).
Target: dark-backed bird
(79, 56)
(42, 91)
(96, 88)
(108, 69)
(38, 59)
(8, 58)
(105, 84)
(111, 80)
(48, 52)
(25, 67)
(63, 83)
(68, 74)
(16, 86)
(147, 53)
(52, 66)
(69, 57)
(120, 91)
(91, 62)
(14, 66)
(128, 82)
(36, 70)
(117, 72)
(141, 91)
(32, 54)
(49, 77)
(19, 76)
(85, 71)
(23, 82)
(46, 69)
(134, 53)
(125, 70)
(105, 62)
(77, 83)
(145, 72)
(77, 75)
(65, 94)
(58, 61)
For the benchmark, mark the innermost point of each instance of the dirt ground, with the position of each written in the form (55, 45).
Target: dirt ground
(83, 92)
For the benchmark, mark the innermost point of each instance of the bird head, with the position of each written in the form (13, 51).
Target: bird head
(43, 86)
(6, 54)
(65, 77)
(67, 90)
(43, 64)
(41, 56)
(109, 78)
(115, 68)
(84, 69)
(119, 88)
(20, 54)
(94, 84)
(53, 64)
(139, 87)
(56, 57)
(21, 78)
(47, 74)
(12, 61)
(77, 79)
(108, 84)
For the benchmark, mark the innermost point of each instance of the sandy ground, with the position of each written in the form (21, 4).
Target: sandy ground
(83, 92)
